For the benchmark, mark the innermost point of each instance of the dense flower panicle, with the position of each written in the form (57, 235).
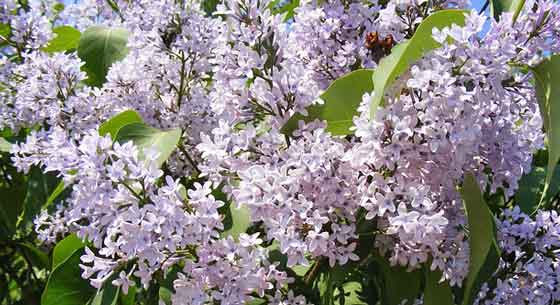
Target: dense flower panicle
(238, 269)
(48, 91)
(441, 119)
(310, 192)
(529, 269)
(117, 204)
(229, 81)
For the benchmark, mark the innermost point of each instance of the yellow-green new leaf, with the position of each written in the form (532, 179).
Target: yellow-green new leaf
(67, 38)
(408, 52)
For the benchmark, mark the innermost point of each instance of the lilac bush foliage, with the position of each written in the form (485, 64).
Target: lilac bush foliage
(230, 80)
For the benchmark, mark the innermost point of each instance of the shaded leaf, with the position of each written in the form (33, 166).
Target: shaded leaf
(99, 47)
(341, 101)
(55, 193)
(39, 187)
(393, 288)
(408, 52)
(37, 257)
(107, 295)
(11, 206)
(484, 251)
(209, 6)
(436, 293)
(65, 285)
(531, 187)
(67, 38)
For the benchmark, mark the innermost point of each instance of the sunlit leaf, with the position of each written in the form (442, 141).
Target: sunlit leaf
(146, 137)
(65, 248)
(408, 52)
(547, 77)
(114, 124)
(66, 39)
(341, 101)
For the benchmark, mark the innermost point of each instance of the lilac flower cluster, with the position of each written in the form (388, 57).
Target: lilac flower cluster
(139, 227)
(230, 81)
(311, 193)
(441, 119)
(529, 269)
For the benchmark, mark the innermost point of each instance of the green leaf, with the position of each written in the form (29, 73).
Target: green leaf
(209, 6)
(408, 52)
(107, 295)
(497, 7)
(484, 251)
(65, 248)
(349, 293)
(99, 48)
(5, 146)
(287, 8)
(55, 193)
(128, 298)
(39, 187)
(393, 288)
(114, 124)
(165, 295)
(37, 257)
(436, 293)
(547, 76)
(65, 285)
(58, 7)
(146, 137)
(5, 30)
(66, 39)
(531, 187)
(341, 101)
(240, 221)
(11, 206)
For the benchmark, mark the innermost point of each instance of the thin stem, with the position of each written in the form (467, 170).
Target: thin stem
(182, 81)
(484, 7)
(191, 161)
(312, 273)
(142, 200)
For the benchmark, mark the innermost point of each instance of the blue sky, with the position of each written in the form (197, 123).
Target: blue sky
(477, 4)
